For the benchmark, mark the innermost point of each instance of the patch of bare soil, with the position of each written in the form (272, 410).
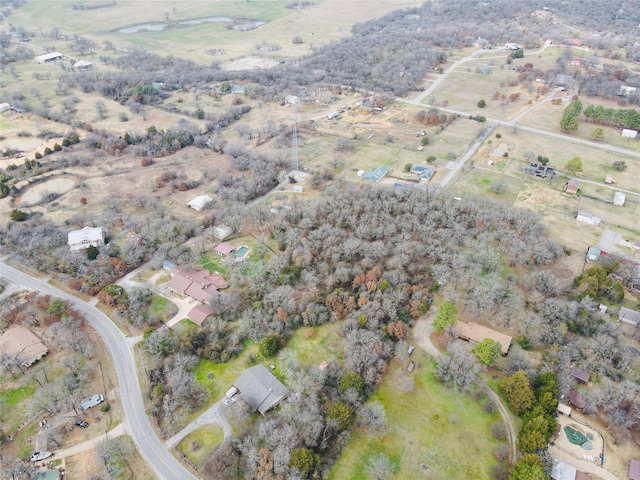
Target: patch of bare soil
(500, 150)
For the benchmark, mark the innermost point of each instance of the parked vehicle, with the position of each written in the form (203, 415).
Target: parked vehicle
(37, 456)
(81, 423)
(92, 401)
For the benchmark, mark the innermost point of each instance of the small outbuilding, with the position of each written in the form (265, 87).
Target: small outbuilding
(260, 389)
(579, 375)
(619, 199)
(572, 186)
(221, 232)
(49, 57)
(588, 217)
(377, 174)
(576, 399)
(4, 107)
(564, 409)
(291, 99)
(224, 249)
(627, 315)
(628, 133)
(200, 202)
(633, 470)
(199, 314)
(485, 70)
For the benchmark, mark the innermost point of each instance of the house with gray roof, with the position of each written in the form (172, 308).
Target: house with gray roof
(260, 389)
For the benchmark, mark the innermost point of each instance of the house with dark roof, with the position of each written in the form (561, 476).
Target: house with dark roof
(579, 375)
(576, 399)
(260, 389)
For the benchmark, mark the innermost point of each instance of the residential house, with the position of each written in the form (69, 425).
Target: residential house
(633, 470)
(577, 62)
(199, 314)
(580, 376)
(81, 239)
(629, 316)
(572, 186)
(619, 198)
(260, 389)
(197, 284)
(476, 333)
(292, 100)
(425, 172)
(49, 57)
(562, 471)
(221, 232)
(19, 344)
(563, 80)
(224, 249)
(200, 202)
(574, 42)
(587, 217)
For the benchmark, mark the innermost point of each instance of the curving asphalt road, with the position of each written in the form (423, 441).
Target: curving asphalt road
(150, 446)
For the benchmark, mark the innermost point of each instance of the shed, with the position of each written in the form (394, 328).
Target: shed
(564, 409)
(477, 333)
(572, 186)
(260, 388)
(222, 231)
(224, 249)
(200, 202)
(485, 69)
(4, 107)
(580, 375)
(628, 133)
(49, 57)
(629, 316)
(292, 99)
(587, 217)
(625, 91)
(633, 471)
(298, 189)
(82, 65)
(593, 254)
(199, 314)
(576, 399)
(619, 199)
(377, 174)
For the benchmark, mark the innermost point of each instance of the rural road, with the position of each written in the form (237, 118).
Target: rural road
(422, 334)
(150, 446)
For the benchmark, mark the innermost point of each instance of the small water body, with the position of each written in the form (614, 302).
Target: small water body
(157, 27)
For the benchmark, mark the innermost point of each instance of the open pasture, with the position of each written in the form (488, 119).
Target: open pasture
(427, 433)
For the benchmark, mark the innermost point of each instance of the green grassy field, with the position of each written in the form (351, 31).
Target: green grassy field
(428, 433)
(162, 308)
(200, 444)
(314, 345)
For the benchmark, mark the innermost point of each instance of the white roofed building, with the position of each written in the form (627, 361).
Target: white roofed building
(81, 239)
(200, 202)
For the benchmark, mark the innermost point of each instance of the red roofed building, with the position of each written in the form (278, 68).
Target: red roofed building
(199, 314)
(197, 284)
(579, 375)
(224, 249)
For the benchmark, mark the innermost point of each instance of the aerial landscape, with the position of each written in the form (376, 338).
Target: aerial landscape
(319, 239)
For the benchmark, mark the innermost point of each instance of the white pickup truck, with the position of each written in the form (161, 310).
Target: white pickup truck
(92, 401)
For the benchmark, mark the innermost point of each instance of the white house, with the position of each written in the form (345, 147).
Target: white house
(619, 198)
(221, 232)
(512, 46)
(81, 239)
(588, 217)
(200, 202)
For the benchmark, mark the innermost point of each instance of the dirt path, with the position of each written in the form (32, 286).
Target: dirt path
(91, 443)
(422, 334)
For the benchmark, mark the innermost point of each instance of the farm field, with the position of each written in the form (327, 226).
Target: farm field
(427, 433)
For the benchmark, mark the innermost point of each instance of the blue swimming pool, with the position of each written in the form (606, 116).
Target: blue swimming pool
(242, 251)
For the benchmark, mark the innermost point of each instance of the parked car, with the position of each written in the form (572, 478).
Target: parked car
(92, 401)
(81, 423)
(37, 456)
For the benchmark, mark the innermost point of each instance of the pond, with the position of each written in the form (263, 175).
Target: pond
(156, 27)
(51, 188)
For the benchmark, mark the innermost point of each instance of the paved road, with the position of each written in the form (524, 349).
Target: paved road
(150, 446)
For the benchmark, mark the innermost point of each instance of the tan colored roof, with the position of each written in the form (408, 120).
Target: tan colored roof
(477, 333)
(18, 342)
(564, 409)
